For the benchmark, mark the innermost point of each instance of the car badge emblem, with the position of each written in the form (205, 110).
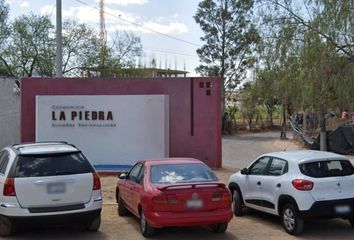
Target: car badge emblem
(194, 196)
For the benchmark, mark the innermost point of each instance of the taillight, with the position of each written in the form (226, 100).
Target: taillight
(216, 197)
(9, 187)
(163, 202)
(160, 199)
(96, 181)
(302, 185)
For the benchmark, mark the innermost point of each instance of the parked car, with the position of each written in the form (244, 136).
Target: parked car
(47, 183)
(296, 186)
(174, 192)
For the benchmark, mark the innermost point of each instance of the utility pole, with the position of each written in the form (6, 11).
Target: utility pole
(102, 39)
(58, 56)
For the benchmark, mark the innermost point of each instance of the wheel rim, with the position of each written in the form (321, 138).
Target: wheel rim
(143, 221)
(234, 200)
(289, 219)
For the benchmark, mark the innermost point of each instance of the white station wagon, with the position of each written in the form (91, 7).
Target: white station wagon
(296, 186)
(47, 183)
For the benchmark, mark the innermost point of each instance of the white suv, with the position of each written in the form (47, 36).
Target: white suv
(296, 186)
(47, 183)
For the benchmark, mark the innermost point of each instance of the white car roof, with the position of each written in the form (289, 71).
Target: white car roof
(45, 147)
(306, 156)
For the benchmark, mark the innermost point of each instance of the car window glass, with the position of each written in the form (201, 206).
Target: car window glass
(1, 158)
(134, 173)
(181, 173)
(277, 167)
(141, 176)
(4, 161)
(260, 166)
(40, 165)
(331, 168)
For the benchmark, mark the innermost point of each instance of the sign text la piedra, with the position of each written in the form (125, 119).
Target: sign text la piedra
(82, 115)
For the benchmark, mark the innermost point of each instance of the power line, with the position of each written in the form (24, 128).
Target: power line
(171, 52)
(141, 26)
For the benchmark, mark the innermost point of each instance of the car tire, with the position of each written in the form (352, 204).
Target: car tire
(351, 221)
(6, 228)
(122, 210)
(237, 203)
(94, 225)
(220, 227)
(292, 222)
(145, 228)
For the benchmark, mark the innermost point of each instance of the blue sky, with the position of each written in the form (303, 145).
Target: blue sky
(171, 17)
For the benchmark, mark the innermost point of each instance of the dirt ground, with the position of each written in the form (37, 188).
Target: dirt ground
(254, 225)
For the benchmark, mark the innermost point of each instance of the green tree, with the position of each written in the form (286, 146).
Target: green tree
(29, 50)
(229, 37)
(121, 54)
(80, 49)
(249, 103)
(310, 44)
(4, 32)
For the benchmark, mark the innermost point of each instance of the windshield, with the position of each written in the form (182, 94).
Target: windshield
(41, 165)
(181, 173)
(332, 168)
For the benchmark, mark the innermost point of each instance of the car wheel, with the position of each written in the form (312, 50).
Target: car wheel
(237, 203)
(122, 210)
(6, 228)
(351, 221)
(220, 228)
(94, 225)
(145, 228)
(292, 222)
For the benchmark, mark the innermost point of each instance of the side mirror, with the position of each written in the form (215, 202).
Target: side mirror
(122, 176)
(244, 171)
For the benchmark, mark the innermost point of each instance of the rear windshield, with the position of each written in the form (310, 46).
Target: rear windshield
(52, 165)
(181, 173)
(331, 168)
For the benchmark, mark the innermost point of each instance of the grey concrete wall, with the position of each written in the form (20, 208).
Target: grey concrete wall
(9, 113)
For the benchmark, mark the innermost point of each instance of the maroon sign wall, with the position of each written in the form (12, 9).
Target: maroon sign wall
(195, 108)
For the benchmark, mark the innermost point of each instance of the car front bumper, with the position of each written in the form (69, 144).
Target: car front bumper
(330, 209)
(184, 219)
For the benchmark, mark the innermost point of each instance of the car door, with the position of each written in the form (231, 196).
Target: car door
(130, 185)
(271, 184)
(252, 194)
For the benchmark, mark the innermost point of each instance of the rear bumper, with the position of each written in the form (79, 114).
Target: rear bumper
(61, 219)
(330, 209)
(170, 219)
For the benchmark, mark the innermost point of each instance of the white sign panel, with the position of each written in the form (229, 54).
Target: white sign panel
(110, 130)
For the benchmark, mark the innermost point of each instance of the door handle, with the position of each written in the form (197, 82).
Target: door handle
(259, 183)
(278, 185)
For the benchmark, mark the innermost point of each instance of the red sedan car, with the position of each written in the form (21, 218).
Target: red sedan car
(174, 192)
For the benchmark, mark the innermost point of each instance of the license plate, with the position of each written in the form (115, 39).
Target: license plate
(343, 209)
(55, 188)
(194, 203)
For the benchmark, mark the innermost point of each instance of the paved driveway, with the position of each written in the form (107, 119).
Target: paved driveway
(240, 150)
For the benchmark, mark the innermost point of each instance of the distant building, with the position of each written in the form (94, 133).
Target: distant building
(135, 72)
(156, 72)
(149, 72)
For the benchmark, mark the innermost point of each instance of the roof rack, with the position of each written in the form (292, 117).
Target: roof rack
(27, 144)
